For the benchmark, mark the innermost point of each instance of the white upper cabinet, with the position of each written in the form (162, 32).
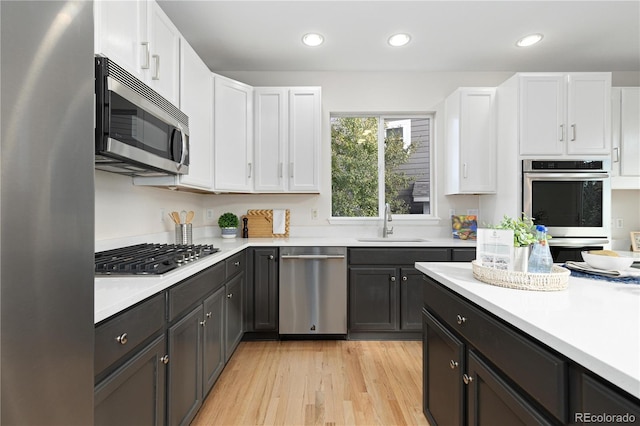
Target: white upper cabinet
(139, 37)
(304, 139)
(270, 141)
(196, 88)
(625, 112)
(287, 139)
(564, 114)
(233, 139)
(470, 149)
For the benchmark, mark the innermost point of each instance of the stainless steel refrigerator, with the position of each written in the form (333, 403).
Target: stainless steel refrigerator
(46, 212)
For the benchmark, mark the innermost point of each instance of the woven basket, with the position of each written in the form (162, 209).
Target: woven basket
(558, 279)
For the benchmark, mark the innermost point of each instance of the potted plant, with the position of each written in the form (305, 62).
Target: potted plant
(228, 223)
(523, 237)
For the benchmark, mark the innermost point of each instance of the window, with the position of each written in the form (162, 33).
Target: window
(378, 159)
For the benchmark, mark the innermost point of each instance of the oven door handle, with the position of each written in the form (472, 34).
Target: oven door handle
(567, 176)
(577, 242)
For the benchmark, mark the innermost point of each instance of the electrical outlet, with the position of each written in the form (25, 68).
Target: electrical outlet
(472, 212)
(209, 214)
(619, 223)
(314, 213)
(163, 215)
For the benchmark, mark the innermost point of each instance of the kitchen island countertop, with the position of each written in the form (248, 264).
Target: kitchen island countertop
(594, 323)
(116, 293)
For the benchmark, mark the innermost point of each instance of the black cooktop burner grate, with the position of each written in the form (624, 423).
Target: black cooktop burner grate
(149, 259)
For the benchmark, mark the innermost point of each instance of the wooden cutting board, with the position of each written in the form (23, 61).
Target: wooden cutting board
(260, 224)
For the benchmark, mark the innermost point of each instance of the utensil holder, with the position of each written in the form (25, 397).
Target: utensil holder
(184, 233)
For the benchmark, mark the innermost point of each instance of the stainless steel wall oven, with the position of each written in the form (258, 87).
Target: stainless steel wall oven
(572, 198)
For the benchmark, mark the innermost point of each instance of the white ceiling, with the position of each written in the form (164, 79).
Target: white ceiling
(446, 35)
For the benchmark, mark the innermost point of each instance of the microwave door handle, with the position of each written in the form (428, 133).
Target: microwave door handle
(183, 155)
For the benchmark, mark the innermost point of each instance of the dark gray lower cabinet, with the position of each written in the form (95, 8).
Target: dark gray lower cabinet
(385, 290)
(134, 393)
(184, 390)
(265, 289)
(233, 314)
(213, 339)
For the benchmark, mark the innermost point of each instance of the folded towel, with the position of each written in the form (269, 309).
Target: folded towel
(279, 217)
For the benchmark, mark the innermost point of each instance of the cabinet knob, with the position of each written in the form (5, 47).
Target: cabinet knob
(453, 364)
(467, 379)
(404, 278)
(122, 339)
(202, 323)
(165, 359)
(209, 314)
(229, 296)
(236, 263)
(270, 257)
(460, 319)
(393, 279)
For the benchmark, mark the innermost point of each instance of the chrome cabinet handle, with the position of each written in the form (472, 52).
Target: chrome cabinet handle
(270, 257)
(236, 263)
(249, 167)
(467, 379)
(464, 170)
(209, 314)
(291, 169)
(573, 132)
(616, 157)
(145, 66)
(281, 169)
(561, 132)
(460, 319)
(393, 279)
(203, 323)
(122, 339)
(404, 278)
(156, 75)
(165, 359)
(229, 296)
(453, 364)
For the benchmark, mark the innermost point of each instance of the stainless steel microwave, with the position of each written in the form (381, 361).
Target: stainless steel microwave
(138, 132)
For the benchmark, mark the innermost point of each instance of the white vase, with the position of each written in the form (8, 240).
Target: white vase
(521, 259)
(228, 232)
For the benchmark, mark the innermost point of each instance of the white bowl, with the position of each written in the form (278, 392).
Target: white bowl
(610, 263)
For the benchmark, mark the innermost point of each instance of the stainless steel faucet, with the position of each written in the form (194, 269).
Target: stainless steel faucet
(386, 230)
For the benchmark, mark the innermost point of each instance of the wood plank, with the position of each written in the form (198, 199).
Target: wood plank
(322, 382)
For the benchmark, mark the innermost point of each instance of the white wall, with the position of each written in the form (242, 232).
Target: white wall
(625, 205)
(125, 210)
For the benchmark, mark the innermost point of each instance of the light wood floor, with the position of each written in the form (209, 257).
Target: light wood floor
(330, 382)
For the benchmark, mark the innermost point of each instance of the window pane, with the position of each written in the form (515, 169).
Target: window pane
(354, 166)
(407, 165)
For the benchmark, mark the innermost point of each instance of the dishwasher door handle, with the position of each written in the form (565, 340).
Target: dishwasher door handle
(312, 256)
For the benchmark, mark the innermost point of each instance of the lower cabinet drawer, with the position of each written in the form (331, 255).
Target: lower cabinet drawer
(117, 337)
(540, 373)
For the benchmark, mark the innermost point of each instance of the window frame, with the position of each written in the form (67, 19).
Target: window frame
(421, 219)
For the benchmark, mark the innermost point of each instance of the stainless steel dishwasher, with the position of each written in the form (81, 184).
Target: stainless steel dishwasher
(313, 290)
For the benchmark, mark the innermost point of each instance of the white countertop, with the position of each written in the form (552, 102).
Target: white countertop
(594, 323)
(116, 293)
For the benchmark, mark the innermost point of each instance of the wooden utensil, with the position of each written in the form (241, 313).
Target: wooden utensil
(190, 216)
(176, 217)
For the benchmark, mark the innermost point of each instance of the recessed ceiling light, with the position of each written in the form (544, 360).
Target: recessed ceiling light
(529, 40)
(312, 39)
(398, 40)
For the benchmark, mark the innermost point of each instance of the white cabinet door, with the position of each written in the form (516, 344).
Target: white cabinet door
(270, 141)
(196, 88)
(304, 139)
(589, 113)
(120, 31)
(542, 114)
(565, 114)
(164, 42)
(625, 131)
(233, 104)
(470, 152)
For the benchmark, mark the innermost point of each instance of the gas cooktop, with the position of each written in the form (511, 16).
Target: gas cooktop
(149, 259)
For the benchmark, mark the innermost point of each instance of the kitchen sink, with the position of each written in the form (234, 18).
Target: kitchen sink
(392, 240)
